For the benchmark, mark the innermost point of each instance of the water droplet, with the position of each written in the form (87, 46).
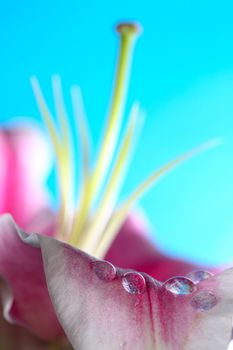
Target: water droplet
(180, 285)
(134, 283)
(104, 270)
(199, 275)
(204, 300)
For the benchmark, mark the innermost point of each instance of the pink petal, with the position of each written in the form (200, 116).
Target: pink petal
(14, 337)
(25, 162)
(21, 266)
(133, 249)
(103, 311)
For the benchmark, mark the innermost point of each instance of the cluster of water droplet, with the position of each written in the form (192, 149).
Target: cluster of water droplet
(202, 300)
(132, 282)
(135, 283)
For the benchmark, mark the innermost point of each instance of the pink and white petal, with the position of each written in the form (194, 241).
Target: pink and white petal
(97, 312)
(21, 265)
(25, 163)
(133, 248)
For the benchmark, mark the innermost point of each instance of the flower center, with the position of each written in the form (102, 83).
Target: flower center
(92, 221)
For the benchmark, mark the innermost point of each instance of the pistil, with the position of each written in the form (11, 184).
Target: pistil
(128, 33)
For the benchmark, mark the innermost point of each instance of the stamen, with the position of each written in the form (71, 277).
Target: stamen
(67, 169)
(61, 110)
(61, 148)
(84, 137)
(45, 113)
(83, 130)
(66, 140)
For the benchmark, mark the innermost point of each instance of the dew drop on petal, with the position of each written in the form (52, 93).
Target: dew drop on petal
(199, 275)
(134, 283)
(180, 285)
(204, 300)
(104, 270)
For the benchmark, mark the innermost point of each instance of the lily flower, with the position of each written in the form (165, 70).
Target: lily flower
(103, 307)
(52, 285)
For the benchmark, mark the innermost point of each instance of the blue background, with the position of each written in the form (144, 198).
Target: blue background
(183, 76)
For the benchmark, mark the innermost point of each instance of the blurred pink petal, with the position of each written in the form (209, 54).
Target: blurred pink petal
(102, 307)
(133, 249)
(25, 162)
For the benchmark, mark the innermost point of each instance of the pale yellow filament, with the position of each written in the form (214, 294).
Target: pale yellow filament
(121, 214)
(61, 148)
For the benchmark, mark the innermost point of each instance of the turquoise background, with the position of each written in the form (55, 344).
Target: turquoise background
(183, 76)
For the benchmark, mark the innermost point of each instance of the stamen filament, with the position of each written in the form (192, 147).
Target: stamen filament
(84, 137)
(83, 130)
(45, 113)
(62, 154)
(66, 156)
(61, 112)
(65, 133)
